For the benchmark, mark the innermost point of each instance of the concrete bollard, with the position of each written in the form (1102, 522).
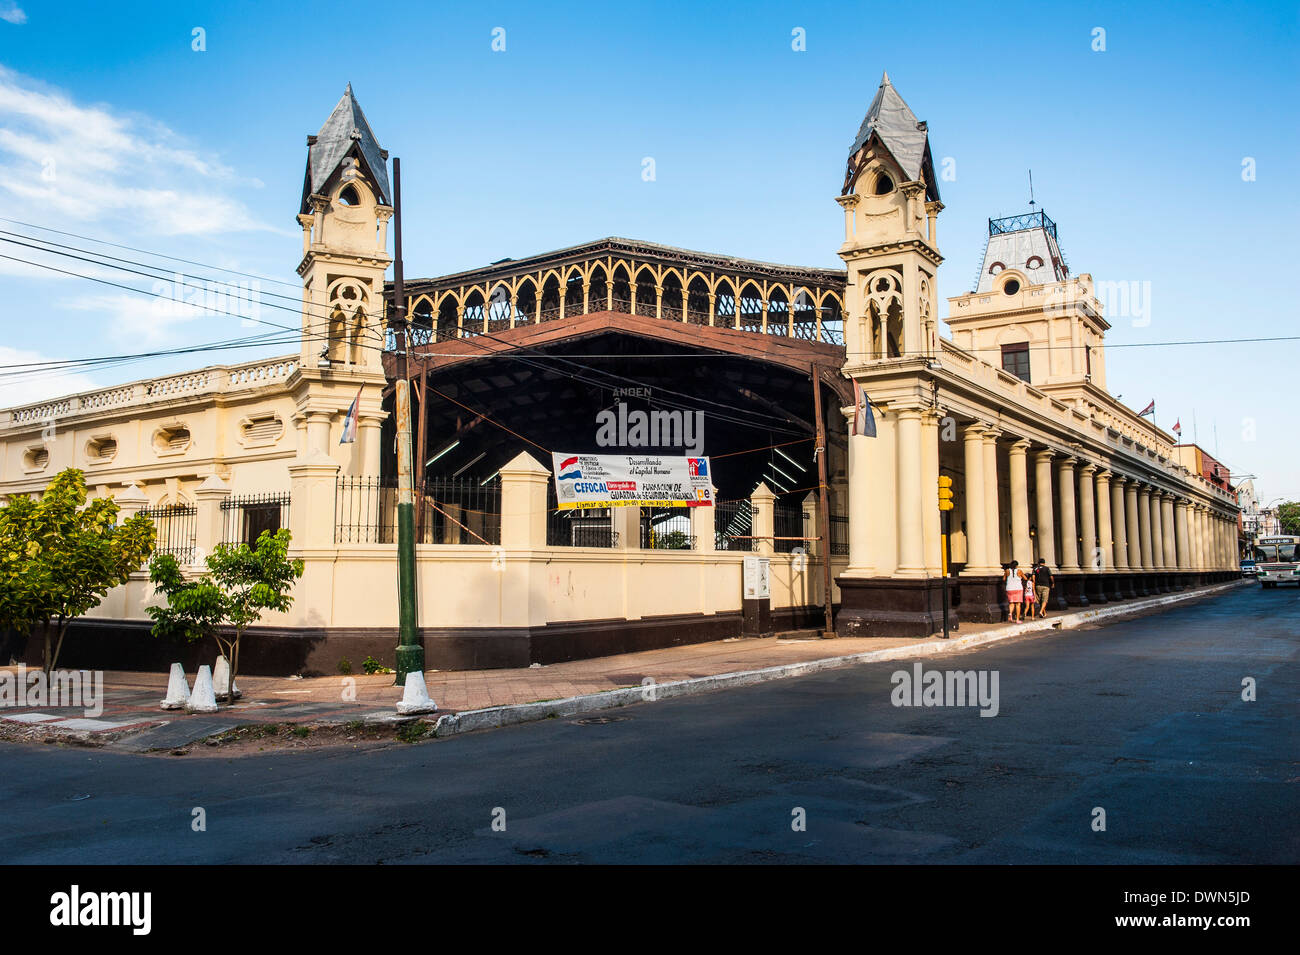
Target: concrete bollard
(203, 699)
(415, 697)
(178, 690)
(221, 680)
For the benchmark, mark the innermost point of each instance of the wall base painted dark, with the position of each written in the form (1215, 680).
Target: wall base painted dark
(272, 651)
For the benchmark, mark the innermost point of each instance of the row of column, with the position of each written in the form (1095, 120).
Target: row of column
(1109, 522)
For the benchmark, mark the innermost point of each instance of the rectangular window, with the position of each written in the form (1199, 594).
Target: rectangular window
(1015, 359)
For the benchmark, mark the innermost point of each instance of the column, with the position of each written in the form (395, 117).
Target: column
(1157, 532)
(1105, 528)
(371, 428)
(1144, 521)
(703, 527)
(209, 531)
(861, 563)
(1180, 526)
(973, 500)
(761, 501)
(1119, 522)
(523, 503)
(318, 433)
(911, 539)
(1133, 525)
(1046, 510)
(1167, 527)
(1069, 524)
(992, 516)
(1021, 546)
(1088, 517)
(1200, 537)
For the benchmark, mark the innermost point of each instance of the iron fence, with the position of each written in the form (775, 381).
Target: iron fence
(177, 525)
(666, 528)
(733, 522)
(244, 518)
(839, 534)
(787, 524)
(447, 511)
(580, 527)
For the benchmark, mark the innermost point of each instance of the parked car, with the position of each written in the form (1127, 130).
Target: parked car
(1248, 568)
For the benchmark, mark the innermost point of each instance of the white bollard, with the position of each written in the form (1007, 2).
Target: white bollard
(415, 697)
(203, 699)
(178, 690)
(221, 680)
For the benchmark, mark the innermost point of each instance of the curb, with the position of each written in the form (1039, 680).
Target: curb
(495, 717)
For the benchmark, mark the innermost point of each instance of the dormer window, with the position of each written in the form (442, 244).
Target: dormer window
(1011, 287)
(884, 184)
(348, 196)
(995, 268)
(1034, 262)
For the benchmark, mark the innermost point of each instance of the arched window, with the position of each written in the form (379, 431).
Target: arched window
(348, 196)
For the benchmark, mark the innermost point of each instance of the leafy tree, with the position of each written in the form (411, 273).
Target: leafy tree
(60, 556)
(241, 584)
(1288, 516)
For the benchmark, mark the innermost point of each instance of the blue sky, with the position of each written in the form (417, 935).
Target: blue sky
(1137, 152)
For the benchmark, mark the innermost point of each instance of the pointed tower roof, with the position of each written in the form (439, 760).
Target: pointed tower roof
(345, 133)
(892, 121)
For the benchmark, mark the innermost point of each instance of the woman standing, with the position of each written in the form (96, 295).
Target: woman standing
(1015, 587)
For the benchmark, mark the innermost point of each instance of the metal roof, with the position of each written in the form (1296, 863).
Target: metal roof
(1015, 241)
(897, 127)
(345, 128)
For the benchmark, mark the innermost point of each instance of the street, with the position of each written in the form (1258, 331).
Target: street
(1143, 720)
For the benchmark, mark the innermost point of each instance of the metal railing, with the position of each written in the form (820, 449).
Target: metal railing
(788, 524)
(177, 525)
(733, 522)
(447, 511)
(839, 534)
(580, 527)
(666, 529)
(244, 518)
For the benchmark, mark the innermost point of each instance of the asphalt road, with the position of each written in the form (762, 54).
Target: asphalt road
(1143, 719)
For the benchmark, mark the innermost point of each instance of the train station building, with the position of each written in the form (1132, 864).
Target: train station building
(622, 346)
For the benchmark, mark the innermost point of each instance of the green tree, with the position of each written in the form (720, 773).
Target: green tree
(60, 556)
(1288, 516)
(241, 584)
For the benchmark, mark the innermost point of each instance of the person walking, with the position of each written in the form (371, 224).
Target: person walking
(1015, 588)
(1043, 581)
(1029, 604)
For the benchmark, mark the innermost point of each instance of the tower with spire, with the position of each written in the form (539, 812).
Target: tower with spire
(890, 199)
(344, 216)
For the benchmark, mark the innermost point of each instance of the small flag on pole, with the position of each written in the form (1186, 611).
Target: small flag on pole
(1148, 410)
(1178, 427)
(349, 434)
(864, 422)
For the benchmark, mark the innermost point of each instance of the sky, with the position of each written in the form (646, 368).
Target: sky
(1162, 138)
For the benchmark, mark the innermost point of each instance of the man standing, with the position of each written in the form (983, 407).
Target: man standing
(1042, 585)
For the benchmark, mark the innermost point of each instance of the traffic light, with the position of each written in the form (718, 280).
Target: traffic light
(945, 493)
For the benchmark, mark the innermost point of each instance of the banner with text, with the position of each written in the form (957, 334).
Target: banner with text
(631, 480)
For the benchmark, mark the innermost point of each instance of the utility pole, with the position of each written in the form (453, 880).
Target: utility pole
(823, 500)
(410, 654)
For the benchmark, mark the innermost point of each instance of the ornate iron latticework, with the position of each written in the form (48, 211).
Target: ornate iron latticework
(637, 278)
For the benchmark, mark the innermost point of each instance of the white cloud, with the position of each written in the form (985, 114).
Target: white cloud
(12, 13)
(25, 385)
(90, 163)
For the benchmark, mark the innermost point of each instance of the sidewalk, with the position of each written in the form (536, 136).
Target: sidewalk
(131, 719)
